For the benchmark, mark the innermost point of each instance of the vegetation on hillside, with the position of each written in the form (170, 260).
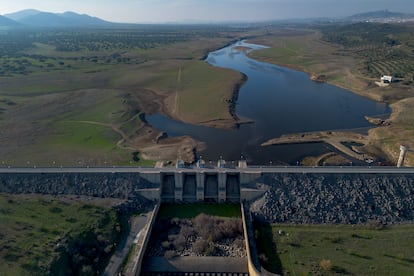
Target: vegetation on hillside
(386, 49)
(42, 235)
(372, 249)
(35, 50)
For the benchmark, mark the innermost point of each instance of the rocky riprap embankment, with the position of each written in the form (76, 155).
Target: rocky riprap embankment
(116, 185)
(336, 198)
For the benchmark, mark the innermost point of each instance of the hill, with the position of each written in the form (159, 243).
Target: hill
(17, 16)
(381, 16)
(7, 22)
(34, 18)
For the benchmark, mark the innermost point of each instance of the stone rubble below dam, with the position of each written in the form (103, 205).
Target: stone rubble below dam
(336, 198)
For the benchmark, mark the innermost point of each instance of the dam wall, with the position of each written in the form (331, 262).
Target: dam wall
(169, 186)
(294, 196)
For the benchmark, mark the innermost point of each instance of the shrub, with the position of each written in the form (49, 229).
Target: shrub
(204, 225)
(376, 224)
(169, 254)
(263, 258)
(239, 243)
(186, 231)
(203, 247)
(326, 264)
(200, 246)
(165, 244)
(179, 242)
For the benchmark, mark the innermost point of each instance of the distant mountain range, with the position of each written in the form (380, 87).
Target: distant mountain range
(4, 21)
(35, 18)
(381, 16)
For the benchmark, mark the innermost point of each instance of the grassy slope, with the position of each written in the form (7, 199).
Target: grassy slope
(204, 91)
(305, 51)
(400, 132)
(68, 127)
(351, 249)
(32, 228)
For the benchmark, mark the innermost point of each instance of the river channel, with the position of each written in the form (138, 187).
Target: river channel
(280, 101)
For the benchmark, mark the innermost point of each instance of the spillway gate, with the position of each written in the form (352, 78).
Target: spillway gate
(200, 186)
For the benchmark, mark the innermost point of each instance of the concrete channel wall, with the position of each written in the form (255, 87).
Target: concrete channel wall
(252, 263)
(134, 268)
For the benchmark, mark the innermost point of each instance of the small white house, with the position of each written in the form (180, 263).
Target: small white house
(386, 79)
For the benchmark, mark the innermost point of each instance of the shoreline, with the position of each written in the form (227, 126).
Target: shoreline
(372, 137)
(157, 146)
(221, 123)
(235, 96)
(236, 121)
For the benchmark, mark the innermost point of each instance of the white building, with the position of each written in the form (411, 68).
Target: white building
(386, 79)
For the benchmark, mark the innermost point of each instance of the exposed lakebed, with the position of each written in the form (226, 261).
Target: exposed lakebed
(279, 101)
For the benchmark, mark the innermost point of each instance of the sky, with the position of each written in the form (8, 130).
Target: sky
(162, 11)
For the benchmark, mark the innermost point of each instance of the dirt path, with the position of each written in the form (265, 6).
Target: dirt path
(115, 128)
(175, 105)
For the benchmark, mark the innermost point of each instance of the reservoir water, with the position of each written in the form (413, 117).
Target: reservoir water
(279, 101)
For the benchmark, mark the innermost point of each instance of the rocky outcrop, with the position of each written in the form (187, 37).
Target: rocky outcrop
(336, 198)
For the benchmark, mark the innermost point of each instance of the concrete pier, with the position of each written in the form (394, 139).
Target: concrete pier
(200, 178)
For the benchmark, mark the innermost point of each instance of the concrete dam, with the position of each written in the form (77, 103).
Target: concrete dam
(277, 194)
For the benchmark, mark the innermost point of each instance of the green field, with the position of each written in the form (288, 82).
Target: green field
(192, 210)
(39, 234)
(205, 90)
(337, 249)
